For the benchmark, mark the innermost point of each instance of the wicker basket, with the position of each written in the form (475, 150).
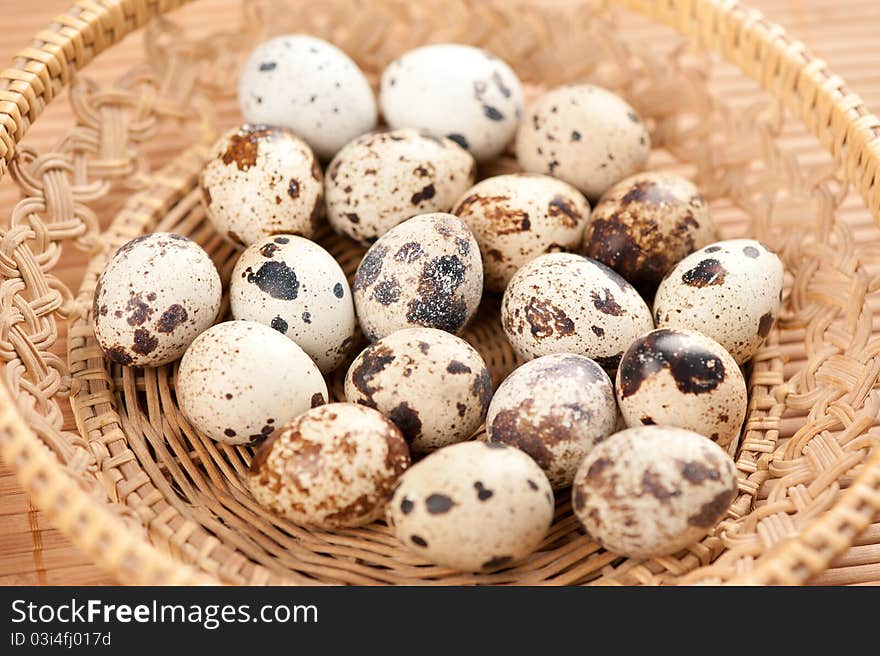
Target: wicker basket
(153, 502)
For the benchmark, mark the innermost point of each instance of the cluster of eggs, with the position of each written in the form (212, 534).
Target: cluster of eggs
(635, 410)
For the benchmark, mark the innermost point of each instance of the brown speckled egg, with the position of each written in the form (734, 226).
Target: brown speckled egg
(239, 380)
(652, 491)
(565, 303)
(678, 377)
(556, 409)
(584, 135)
(644, 225)
(332, 467)
(424, 272)
(433, 385)
(156, 295)
(729, 291)
(473, 506)
(297, 288)
(261, 181)
(379, 180)
(519, 216)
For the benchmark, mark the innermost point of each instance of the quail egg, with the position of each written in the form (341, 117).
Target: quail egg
(156, 295)
(519, 216)
(566, 303)
(679, 377)
(584, 135)
(555, 408)
(473, 506)
(261, 181)
(309, 86)
(455, 91)
(729, 291)
(644, 225)
(296, 287)
(433, 385)
(651, 491)
(240, 380)
(331, 467)
(381, 179)
(424, 272)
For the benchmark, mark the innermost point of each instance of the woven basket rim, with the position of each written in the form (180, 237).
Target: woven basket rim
(815, 95)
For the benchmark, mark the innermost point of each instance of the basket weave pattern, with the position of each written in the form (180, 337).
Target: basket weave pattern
(153, 501)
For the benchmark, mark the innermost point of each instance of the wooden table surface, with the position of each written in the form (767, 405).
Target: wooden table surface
(843, 32)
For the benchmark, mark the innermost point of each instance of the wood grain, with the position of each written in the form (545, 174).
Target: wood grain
(843, 32)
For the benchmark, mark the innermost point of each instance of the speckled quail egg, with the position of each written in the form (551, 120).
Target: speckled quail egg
(297, 288)
(566, 303)
(262, 181)
(473, 506)
(240, 380)
(644, 225)
(519, 216)
(381, 179)
(653, 490)
(455, 91)
(309, 86)
(729, 291)
(584, 135)
(424, 272)
(678, 377)
(331, 467)
(156, 295)
(556, 409)
(433, 385)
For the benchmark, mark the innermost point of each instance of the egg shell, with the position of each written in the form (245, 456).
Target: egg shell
(556, 409)
(678, 377)
(424, 272)
(645, 224)
(296, 287)
(433, 385)
(585, 135)
(309, 86)
(260, 181)
(652, 491)
(157, 293)
(517, 217)
(240, 380)
(472, 506)
(566, 303)
(455, 91)
(729, 291)
(381, 179)
(331, 467)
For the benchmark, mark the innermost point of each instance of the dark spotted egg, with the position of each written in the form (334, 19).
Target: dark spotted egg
(424, 272)
(679, 377)
(240, 380)
(519, 216)
(566, 303)
(455, 91)
(584, 135)
(433, 385)
(729, 291)
(331, 467)
(309, 86)
(556, 409)
(262, 181)
(156, 295)
(473, 506)
(651, 491)
(381, 179)
(296, 287)
(644, 225)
